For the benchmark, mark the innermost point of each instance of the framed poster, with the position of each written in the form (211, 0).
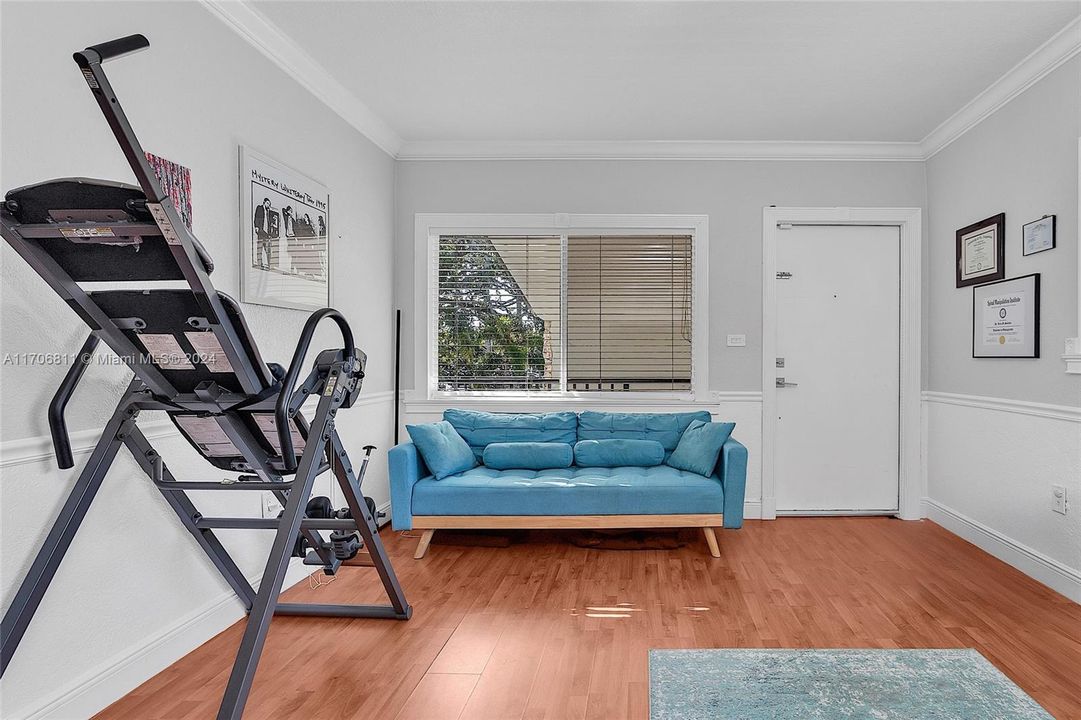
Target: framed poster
(284, 235)
(1006, 318)
(981, 251)
(1038, 235)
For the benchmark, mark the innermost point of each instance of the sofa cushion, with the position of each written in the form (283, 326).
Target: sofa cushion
(443, 449)
(700, 446)
(657, 490)
(665, 428)
(617, 452)
(481, 429)
(528, 455)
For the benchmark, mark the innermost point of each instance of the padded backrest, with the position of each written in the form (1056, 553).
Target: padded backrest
(665, 428)
(479, 429)
(207, 436)
(92, 253)
(185, 355)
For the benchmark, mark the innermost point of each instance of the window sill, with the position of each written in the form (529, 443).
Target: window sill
(420, 403)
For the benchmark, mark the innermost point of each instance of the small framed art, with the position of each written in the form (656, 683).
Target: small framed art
(981, 251)
(1038, 235)
(1006, 318)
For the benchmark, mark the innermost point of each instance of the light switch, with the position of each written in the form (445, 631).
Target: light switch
(737, 341)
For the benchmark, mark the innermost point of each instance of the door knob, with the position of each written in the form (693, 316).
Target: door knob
(782, 384)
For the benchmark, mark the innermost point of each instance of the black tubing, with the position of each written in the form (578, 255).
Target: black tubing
(112, 49)
(281, 409)
(58, 428)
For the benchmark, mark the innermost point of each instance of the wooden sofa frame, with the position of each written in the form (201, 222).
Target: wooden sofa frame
(430, 523)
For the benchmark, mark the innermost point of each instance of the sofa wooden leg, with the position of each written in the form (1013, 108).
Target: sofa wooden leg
(711, 540)
(426, 540)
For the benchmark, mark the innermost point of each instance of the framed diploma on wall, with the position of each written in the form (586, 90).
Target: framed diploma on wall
(1038, 235)
(981, 251)
(1006, 318)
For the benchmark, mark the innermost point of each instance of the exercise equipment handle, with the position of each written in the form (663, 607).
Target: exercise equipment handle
(58, 427)
(112, 49)
(281, 410)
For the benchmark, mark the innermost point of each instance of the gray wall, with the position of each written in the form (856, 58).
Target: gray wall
(990, 471)
(194, 97)
(1022, 160)
(732, 193)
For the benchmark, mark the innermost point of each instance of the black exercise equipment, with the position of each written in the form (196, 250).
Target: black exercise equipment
(193, 358)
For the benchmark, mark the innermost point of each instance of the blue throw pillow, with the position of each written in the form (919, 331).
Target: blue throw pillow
(443, 449)
(700, 446)
(528, 455)
(618, 453)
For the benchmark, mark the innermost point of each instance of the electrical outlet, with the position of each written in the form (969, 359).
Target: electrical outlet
(271, 506)
(1058, 498)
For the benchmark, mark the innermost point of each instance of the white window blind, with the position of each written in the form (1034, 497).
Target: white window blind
(499, 312)
(626, 301)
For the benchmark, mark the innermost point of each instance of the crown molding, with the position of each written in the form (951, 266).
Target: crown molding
(1043, 60)
(283, 51)
(659, 150)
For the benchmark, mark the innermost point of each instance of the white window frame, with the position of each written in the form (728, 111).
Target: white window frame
(429, 226)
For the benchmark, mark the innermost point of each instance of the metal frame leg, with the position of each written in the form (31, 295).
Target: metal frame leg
(251, 645)
(144, 455)
(21, 611)
(366, 524)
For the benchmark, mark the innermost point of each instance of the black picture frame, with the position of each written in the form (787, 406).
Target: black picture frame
(996, 222)
(1054, 235)
(1034, 278)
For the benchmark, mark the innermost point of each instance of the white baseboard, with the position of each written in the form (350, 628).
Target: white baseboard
(1055, 575)
(752, 510)
(117, 676)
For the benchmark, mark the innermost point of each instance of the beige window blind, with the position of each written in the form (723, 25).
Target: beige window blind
(629, 313)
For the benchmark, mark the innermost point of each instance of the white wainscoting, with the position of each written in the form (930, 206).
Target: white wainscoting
(102, 572)
(990, 464)
(742, 408)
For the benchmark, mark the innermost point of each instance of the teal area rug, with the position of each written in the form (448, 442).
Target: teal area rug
(834, 684)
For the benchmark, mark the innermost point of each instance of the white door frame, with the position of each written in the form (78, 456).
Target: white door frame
(909, 221)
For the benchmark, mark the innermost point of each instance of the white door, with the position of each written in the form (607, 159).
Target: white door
(838, 327)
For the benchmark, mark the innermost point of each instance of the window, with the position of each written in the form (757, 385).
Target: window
(572, 310)
(499, 312)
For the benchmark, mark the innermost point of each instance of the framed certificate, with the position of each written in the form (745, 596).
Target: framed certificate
(1006, 318)
(981, 251)
(1038, 235)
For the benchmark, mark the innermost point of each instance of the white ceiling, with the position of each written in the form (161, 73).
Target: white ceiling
(667, 71)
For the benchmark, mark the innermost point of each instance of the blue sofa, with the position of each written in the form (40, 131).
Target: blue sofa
(573, 497)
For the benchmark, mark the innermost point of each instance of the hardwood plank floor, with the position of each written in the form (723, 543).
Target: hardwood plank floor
(545, 630)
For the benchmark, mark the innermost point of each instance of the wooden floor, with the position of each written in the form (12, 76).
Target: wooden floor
(546, 629)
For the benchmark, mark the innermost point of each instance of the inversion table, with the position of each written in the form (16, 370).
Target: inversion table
(193, 358)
